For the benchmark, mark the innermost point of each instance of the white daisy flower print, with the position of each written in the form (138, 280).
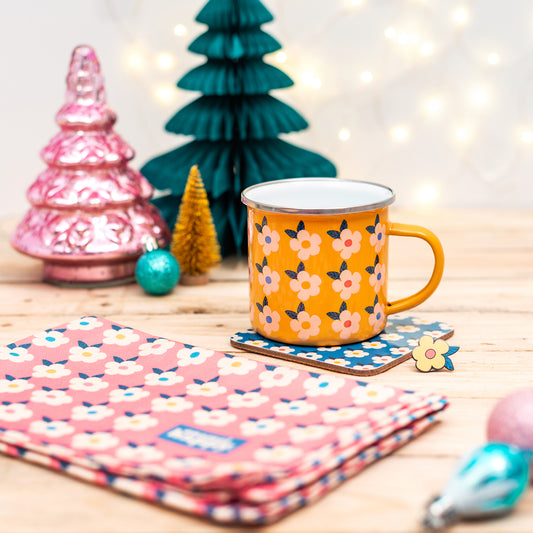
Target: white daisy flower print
(120, 336)
(171, 404)
(131, 422)
(127, 394)
(323, 385)
(205, 388)
(119, 367)
(100, 440)
(50, 339)
(12, 436)
(371, 394)
(277, 376)
(301, 434)
(13, 412)
(331, 416)
(50, 397)
(91, 412)
(293, 408)
(51, 370)
(193, 356)
(13, 385)
(15, 354)
(261, 426)
(358, 354)
(51, 428)
(160, 378)
(156, 347)
(213, 417)
(236, 365)
(282, 454)
(246, 399)
(85, 323)
(86, 354)
(88, 384)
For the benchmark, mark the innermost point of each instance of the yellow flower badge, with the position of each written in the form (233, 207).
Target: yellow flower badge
(433, 354)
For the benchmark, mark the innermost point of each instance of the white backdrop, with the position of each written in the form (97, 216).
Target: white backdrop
(431, 97)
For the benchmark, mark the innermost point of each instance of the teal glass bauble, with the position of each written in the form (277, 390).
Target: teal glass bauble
(157, 272)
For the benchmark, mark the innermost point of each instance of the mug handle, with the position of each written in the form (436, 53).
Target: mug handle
(410, 230)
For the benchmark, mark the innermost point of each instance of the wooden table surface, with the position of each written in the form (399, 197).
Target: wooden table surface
(486, 293)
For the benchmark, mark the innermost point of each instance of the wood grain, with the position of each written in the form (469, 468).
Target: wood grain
(486, 294)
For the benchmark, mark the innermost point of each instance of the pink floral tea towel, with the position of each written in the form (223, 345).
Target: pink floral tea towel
(221, 436)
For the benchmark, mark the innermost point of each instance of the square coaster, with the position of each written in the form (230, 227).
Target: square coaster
(378, 354)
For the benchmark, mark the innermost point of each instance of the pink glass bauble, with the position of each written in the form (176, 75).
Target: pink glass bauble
(90, 210)
(511, 421)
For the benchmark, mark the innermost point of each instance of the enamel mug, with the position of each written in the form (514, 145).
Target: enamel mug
(318, 260)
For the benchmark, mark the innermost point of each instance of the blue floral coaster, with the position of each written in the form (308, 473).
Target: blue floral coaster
(390, 348)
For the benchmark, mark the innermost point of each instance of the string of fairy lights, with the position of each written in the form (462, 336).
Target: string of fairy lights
(399, 38)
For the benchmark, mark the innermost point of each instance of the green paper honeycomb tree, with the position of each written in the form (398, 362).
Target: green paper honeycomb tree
(235, 123)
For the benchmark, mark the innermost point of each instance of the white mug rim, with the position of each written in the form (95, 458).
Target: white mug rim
(264, 206)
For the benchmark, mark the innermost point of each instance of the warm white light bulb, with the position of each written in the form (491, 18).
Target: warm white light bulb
(281, 57)
(180, 30)
(135, 61)
(399, 133)
(165, 61)
(479, 97)
(462, 134)
(427, 49)
(366, 77)
(403, 38)
(414, 38)
(427, 194)
(460, 16)
(344, 134)
(527, 137)
(493, 59)
(316, 83)
(390, 33)
(308, 77)
(356, 3)
(434, 106)
(164, 93)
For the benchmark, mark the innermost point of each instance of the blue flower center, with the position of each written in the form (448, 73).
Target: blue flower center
(128, 394)
(51, 427)
(92, 411)
(268, 239)
(14, 354)
(50, 339)
(194, 354)
(379, 276)
(293, 407)
(379, 236)
(378, 316)
(163, 378)
(84, 323)
(268, 279)
(269, 319)
(323, 384)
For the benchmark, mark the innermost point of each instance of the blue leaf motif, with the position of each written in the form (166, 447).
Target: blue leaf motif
(82, 344)
(258, 227)
(334, 275)
(291, 233)
(291, 274)
(301, 307)
(301, 267)
(259, 268)
(291, 314)
(449, 364)
(344, 225)
(301, 226)
(333, 316)
(259, 306)
(334, 234)
(343, 307)
(451, 350)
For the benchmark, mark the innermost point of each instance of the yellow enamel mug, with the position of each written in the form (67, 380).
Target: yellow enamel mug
(318, 260)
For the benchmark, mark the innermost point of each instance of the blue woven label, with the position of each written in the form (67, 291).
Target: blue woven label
(202, 440)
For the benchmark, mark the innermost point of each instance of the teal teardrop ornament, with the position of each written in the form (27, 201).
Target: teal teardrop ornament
(157, 271)
(487, 483)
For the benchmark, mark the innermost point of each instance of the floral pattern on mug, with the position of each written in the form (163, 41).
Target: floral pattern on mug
(267, 238)
(345, 282)
(269, 319)
(345, 241)
(15, 354)
(304, 324)
(377, 234)
(305, 284)
(377, 315)
(268, 278)
(345, 323)
(377, 274)
(304, 243)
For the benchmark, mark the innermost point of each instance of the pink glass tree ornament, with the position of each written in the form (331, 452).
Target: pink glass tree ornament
(90, 210)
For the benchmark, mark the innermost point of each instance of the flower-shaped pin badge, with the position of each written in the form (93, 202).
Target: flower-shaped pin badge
(433, 354)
